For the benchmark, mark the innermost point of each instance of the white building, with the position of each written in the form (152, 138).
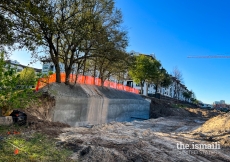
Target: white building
(19, 67)
(219, 102)
(222, 102)
(169, 91)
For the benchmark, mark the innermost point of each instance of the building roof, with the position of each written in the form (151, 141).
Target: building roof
(46, 60)
(23, 66)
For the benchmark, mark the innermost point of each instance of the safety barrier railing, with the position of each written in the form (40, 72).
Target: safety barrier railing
(80, 79)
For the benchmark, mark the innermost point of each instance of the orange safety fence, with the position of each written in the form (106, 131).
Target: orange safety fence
(80, 79)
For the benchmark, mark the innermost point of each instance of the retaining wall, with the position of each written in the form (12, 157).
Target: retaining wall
(82, 105)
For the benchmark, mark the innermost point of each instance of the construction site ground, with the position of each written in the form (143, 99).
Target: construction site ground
(156, 139)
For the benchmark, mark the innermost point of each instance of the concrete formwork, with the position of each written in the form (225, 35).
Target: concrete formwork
(82, 105)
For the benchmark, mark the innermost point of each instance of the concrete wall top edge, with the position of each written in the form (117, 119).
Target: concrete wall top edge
(88, 91)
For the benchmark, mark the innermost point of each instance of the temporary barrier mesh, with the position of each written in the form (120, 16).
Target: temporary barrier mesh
(80, 79)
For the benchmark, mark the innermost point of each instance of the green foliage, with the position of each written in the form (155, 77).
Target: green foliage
(179, 106)
(27, 76)
(32, 147)
(68, 30)
(187, 95)
(161, 78)
(195, 101)
(144, 68)
(6, 33)
(12, 93)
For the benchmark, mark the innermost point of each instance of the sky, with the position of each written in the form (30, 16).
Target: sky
(174, 30)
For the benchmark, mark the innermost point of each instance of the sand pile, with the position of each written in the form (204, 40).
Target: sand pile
(216, 125)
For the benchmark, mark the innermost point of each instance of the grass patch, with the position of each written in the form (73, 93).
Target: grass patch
(32, 147)
(179, 106)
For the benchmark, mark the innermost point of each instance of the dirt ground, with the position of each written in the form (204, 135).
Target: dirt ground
(164, 108)
(158, 139)
(149, 140)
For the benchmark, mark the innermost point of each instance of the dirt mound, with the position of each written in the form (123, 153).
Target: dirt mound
(47, 127)
(163, 108)
(204, 113)
(39, 118)
(216, 129)
(159, 108)
(216, 125)
(43, 108)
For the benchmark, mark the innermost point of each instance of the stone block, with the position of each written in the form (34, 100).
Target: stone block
(6, 120)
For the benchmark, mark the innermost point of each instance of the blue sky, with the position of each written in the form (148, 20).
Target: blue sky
(175, 29)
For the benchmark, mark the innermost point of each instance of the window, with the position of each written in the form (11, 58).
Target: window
(51, 68)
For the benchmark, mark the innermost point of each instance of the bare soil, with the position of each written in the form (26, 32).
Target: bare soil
(149, 140)
(155, 139)
(163, 108)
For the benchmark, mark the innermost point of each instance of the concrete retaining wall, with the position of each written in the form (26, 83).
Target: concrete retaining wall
(89, 105)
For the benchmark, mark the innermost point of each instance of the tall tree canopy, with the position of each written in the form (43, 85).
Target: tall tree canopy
(63, 28)
(6, 33)
(143, 69)
(161, 79)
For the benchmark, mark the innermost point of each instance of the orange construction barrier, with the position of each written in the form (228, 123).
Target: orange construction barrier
(106, 83)
(113, 85)
(80, 79)
(120, 86)
(97, 81)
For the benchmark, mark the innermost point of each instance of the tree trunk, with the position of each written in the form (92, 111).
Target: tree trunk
(54, 57)
(94, 71)
(58, 73)
(142, 85)
(102, 81)
(67, 74)
(156, 88)
(147, 89)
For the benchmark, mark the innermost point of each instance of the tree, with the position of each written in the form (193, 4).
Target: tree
(187, 95)
(195, 101)
(11, 94)
(192, 94)
(177, 81)
(6, 33)
(193, 98)
(143, 69)
(161, 79)
(34, 23)
(110, 53)
(28, 76)
(61, 28)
